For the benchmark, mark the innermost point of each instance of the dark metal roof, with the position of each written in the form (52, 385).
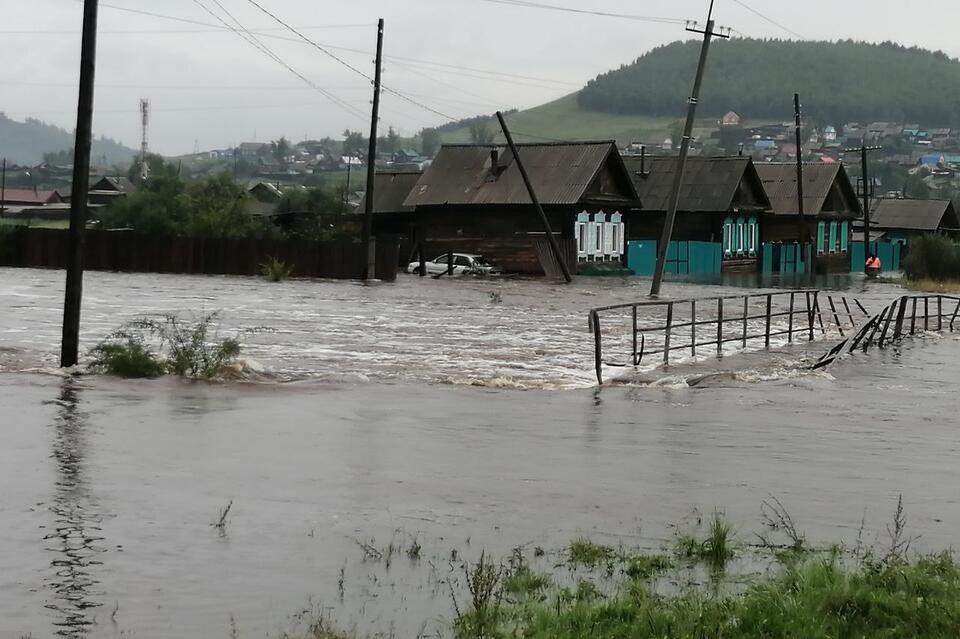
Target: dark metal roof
(561, 173)
(709, 184)
(114, 183)
(914, 215)
(390, 191)
(780, 183)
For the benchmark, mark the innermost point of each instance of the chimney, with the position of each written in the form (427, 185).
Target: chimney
(494, 161)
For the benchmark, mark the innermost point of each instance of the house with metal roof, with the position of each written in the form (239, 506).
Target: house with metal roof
(830, 206)
(900, 220)
(719, 214)
(391, 216)
(472, 198)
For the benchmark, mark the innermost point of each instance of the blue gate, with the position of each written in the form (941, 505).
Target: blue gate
(683, 257)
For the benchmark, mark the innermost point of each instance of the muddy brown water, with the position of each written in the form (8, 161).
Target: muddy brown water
(108, 488)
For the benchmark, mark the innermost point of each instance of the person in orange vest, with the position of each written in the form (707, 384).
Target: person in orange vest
(873, 265)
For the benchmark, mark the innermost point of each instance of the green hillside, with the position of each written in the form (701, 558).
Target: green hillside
(838, 81)
(26, 142)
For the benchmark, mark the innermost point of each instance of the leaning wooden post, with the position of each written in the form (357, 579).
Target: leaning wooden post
(836, 317)
(73, 295)
(954, 318)
(536, 202)
(913, 318)
(635, 361)
(939, 313)
(926, 313)
(898, 329)
(790, 320)
(746, 314)
(766, 339)
(810, 314)
(450, 263)
(720, 327)
(666, 336)
(597, 345)
(693, 328)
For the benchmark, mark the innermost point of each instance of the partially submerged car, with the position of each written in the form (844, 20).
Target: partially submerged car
(463, 264)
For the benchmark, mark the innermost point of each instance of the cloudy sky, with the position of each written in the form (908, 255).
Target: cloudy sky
(209, 87)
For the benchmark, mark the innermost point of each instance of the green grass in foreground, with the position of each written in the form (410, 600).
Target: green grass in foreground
(927, 285)
(813, 599)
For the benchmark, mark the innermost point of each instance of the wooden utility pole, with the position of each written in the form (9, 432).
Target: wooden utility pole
(3, 187)
(865, 185)
(674, 200)
(78, 195)
(368, 239)
(802, 237)
(536, 202)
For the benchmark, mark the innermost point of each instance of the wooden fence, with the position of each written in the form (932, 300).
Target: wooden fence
(684, 326)
(134, 253)
(904, 316)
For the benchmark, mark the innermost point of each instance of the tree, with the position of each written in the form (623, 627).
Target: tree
(480, 133)
(391, 143)
(354, 143)
(281, 151)
(156, 167)
(429, 142)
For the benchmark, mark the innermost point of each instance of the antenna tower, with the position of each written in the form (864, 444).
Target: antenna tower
(144, 147)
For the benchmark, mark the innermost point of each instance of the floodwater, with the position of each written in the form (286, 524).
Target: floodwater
(384, 414)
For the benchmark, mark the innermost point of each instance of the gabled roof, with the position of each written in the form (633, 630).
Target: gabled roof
(29, 196)
(391, 190)
(914, 215)
(118, 184)
(709, 184)
(561, 174)
(780, 183)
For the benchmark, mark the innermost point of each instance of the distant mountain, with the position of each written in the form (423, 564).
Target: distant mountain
(26, 142)
(838, 82)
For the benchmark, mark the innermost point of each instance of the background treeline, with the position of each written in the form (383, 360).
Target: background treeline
(839, 82)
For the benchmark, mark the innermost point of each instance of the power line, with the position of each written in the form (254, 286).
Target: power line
(593, 12)
(769, 19)
(252, 40)
(348, 65)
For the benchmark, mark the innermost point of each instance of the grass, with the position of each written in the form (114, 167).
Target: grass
(126, 355)
(584, 552)
(275, 270)
(525, 582)
(715, 549)
(928, 285)
(646, 566)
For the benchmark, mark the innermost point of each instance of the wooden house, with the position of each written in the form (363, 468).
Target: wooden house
(472, 198)
(901, 220)
(719, 212)
(830, 206)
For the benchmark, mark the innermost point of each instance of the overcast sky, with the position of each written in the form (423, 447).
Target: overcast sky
(210, 88)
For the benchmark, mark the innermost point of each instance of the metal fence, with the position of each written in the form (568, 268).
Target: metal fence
(698, 326)
(904, 316)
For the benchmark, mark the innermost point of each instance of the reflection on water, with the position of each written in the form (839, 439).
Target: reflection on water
(76, 524)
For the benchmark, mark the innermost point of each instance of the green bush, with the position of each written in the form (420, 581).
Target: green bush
(126, 355)
(275, 270)
(933, 257)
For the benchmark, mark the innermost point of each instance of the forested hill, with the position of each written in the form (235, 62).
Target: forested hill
(839, 82)
(27, 142)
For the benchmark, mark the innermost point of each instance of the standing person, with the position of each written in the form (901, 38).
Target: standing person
(873, 266)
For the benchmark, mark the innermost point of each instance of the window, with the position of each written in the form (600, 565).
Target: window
(462, 260)
(752, 236)
(582, 237)
(727, 237)
(615, 239)
(441, 260)
(740, 236)
(598, 237)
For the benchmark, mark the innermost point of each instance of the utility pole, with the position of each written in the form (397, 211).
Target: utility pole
(236, 152)
(674, 200)
(368, 238)
(865, 182)
(3, 187)
(346, 193)
(802, 242)
(81, 180)
(536, 202)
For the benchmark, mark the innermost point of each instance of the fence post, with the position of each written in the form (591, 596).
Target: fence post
(720, 327)
(939, 313)
(666, 337)
(886, 326)
(898, 329)
(635, 362)
(597, 345)
(836, 318)
(954, 318)
(913, 318)
(853, 322)
(746, 314)
(693, 328)
(766, 339)
(819, 313)
(810, 314)
(790, 320)
(926, 313)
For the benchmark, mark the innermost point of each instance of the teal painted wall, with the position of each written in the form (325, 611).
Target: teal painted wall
(888, 252)
(685, 258)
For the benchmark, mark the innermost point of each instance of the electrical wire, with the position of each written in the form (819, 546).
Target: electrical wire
(769, 19)
(593, 12)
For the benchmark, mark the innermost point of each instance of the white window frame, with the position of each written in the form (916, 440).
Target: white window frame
(752, 237)
(740, 238)
(728, 239)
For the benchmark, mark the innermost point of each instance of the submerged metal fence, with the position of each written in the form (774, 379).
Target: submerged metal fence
(696, 325)
(904, 316)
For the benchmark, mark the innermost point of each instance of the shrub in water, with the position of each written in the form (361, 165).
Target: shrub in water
(126, 355)
(275, 270)
(191, 349)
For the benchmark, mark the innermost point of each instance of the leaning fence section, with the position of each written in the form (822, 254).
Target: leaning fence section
(627, 334)
(905, 316)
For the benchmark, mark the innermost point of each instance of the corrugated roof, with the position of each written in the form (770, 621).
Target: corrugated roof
(709, 184)
(390, 191)
(561, 174)
(115, 183)
(780, 183)
(29, 196)
(914, 215)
